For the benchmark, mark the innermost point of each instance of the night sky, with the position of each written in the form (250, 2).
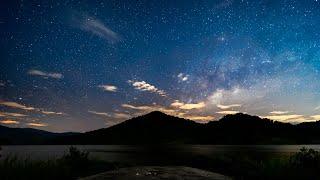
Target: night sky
(83, 65)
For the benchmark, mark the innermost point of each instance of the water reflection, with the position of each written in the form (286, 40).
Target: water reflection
(151, 154)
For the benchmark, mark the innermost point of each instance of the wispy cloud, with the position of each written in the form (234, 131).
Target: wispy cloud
(121, 116)
(28, 108)
(279, 112)
(177, 103)
(198, 117)
(227, 112)
(144, 86)
(37, 124)
(193, 106)
(287, 117)
(5, 114)
(174, 110)
(137, 107)
(52, 113)
(228, 106)
(100, 113)
(9, 121)
(45, 74)
(16, 105)
(110, 88)
(315, 117)
(98, 28)
(146, 109)
(183, 77)
(188, 106)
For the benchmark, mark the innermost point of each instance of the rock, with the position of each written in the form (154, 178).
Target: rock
(157, 173)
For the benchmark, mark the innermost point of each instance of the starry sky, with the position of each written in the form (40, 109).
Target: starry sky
(71, 65)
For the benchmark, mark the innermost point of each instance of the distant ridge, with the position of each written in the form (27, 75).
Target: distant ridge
(159, 128)
(27, 135)
(155, 127)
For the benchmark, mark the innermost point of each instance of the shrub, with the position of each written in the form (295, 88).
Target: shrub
(306, 158)
(72, 165)
(76, 158)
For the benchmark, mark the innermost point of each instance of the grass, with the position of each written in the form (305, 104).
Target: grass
(304, 164)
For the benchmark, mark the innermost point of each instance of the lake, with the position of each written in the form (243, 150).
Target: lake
(149, 154)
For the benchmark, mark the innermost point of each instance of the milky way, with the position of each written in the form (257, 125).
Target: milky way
(82, 65)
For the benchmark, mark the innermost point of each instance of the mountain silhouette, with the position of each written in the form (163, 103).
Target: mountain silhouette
(246, 129)
(155, 127)
(27, 135)
(159, 128)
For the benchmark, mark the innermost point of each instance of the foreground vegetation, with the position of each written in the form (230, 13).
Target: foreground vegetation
(73, 164)
(304, 164)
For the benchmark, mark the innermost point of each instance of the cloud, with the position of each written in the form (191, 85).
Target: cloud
(177, 104)
(193, 106)
(287, 118)
(279, 112)
(9, 121)
(100, 113)
(45, 75)
(136, 107)
(96, 27)
(37, 124)
(16, 105)
(147, 109)
(28, 108)
(144, 86)
(187, 106)
(121, 116)
(198, 118)
(315, 117)
(4, 114)
(228, 106)
(227, 112)
(183, 77)
(52, 113)
(173, 110)
(110, 88)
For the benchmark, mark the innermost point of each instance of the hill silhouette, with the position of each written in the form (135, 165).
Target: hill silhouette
(155, 127)
(246, 129)
(158, 128)
(27, 135)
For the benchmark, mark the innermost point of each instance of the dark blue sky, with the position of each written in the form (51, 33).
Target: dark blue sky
(83, 65)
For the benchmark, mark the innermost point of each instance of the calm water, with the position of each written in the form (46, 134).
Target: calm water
(144, 154)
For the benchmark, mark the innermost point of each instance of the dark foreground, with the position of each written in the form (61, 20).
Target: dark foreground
(158, 173)
(76, 164)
